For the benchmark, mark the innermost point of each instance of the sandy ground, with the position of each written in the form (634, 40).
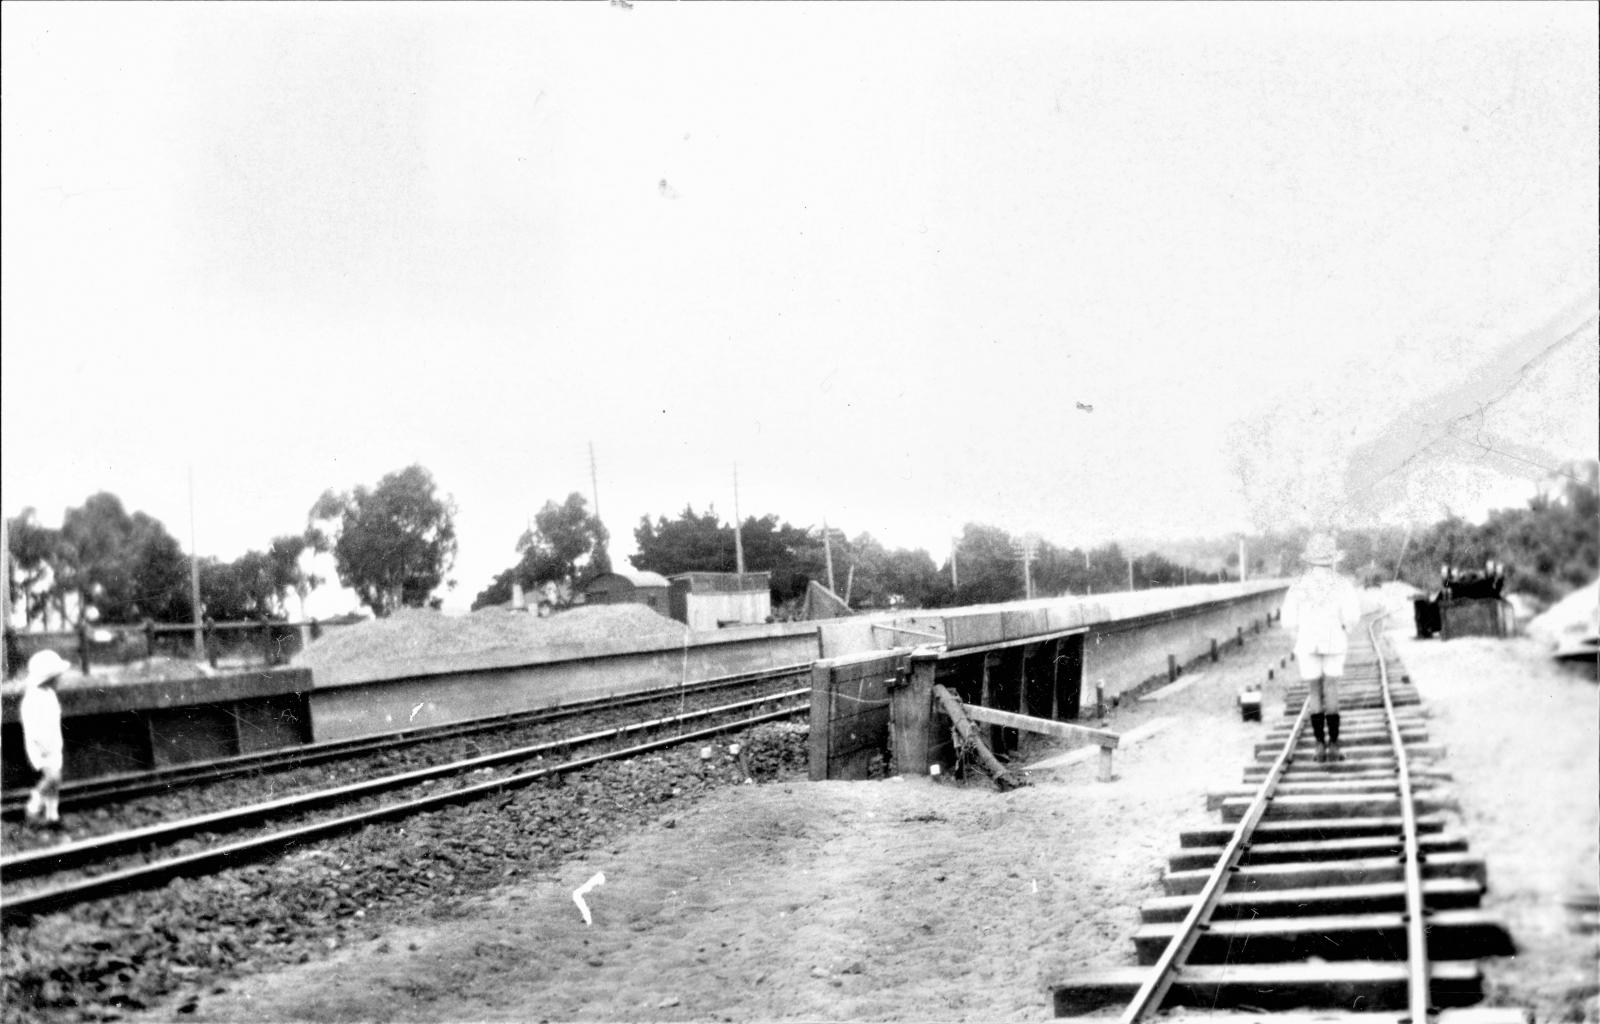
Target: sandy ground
(916, 900)
(1523, 739)
(890, 900)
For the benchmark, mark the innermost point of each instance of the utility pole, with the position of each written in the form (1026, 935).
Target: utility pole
(194, 576)
(738, 530)
(594, 482)
(827, 547)
(955, 581)
(1025, 549)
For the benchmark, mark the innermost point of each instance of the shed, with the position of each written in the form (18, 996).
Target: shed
(629, 586)
(708, 600)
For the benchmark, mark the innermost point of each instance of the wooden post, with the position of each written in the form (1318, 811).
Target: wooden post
(1214, 654)
(1241, 637)
(1100, 700)
(1022, 681)
(1172, 668)
(83, 646)
(911, 709)
(208, 630)
(821, 719)
(984, 697)
(1104, 775)
(1055, 678)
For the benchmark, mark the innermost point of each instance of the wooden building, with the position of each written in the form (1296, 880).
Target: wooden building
(710, 600)
(629, 586)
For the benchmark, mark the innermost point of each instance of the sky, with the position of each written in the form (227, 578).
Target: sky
(1086, 271)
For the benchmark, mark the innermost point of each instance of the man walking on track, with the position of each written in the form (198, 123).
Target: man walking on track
(1322, 607)
(40, 711)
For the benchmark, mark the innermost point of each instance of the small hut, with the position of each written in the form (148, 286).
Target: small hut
(629, 586)
(709, 600)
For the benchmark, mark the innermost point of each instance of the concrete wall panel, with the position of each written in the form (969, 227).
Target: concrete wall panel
(384, 706)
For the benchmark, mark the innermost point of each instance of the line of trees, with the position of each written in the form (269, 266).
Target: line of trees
(105, 564)
(392, 544)
(987, 567)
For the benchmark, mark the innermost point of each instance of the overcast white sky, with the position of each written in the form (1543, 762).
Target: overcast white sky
(873, 254)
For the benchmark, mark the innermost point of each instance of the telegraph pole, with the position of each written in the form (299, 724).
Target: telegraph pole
(738, 530)
(1025, 549)
(194, 575)
(594, 482)
(827, 547)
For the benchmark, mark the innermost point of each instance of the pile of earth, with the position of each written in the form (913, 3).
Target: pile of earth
(414, 641)
(1573, 616)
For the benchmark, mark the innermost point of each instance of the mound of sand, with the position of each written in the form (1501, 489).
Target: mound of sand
(1575, 615)
(420, 642)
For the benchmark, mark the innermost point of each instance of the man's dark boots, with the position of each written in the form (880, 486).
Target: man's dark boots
(1322, 738)
(1334, 753)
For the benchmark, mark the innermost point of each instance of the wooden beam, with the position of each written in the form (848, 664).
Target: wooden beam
(1452, 935)
(1276, 986)
(1042, 726)
(1352, 806)
(1199, 857)
(1464, 1015)
(1000, 645)
(1440, 894)
(1302, 831)
(969, 734)
(1362, 871)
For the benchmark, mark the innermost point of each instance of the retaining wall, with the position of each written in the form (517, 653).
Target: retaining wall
(1038, 658)
(344, 710)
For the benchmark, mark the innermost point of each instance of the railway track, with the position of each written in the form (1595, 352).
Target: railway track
(50, 878)
(85, 794)
(1328, 886)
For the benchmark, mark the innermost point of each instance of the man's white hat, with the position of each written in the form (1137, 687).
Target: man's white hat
(1321, 550)
(45, 666)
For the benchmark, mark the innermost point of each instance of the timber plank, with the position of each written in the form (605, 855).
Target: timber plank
(1438, 894)
(1452, 935)
(1355, 984)
(1371, 757)
(1461, 1015)
(1042, 726)
(1359, 871)
(1351, 806)
(1324, 787)
(1200, 857)
(1301, 831)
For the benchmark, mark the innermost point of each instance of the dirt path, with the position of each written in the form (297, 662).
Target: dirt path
(893, 900)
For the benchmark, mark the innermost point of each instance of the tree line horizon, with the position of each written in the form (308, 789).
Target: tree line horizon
(394, 544)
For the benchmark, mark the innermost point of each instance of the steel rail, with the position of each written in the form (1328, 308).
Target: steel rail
(92, 792)
(47, 859)
(1154, 990)
(1418, 984)
(29, 905)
